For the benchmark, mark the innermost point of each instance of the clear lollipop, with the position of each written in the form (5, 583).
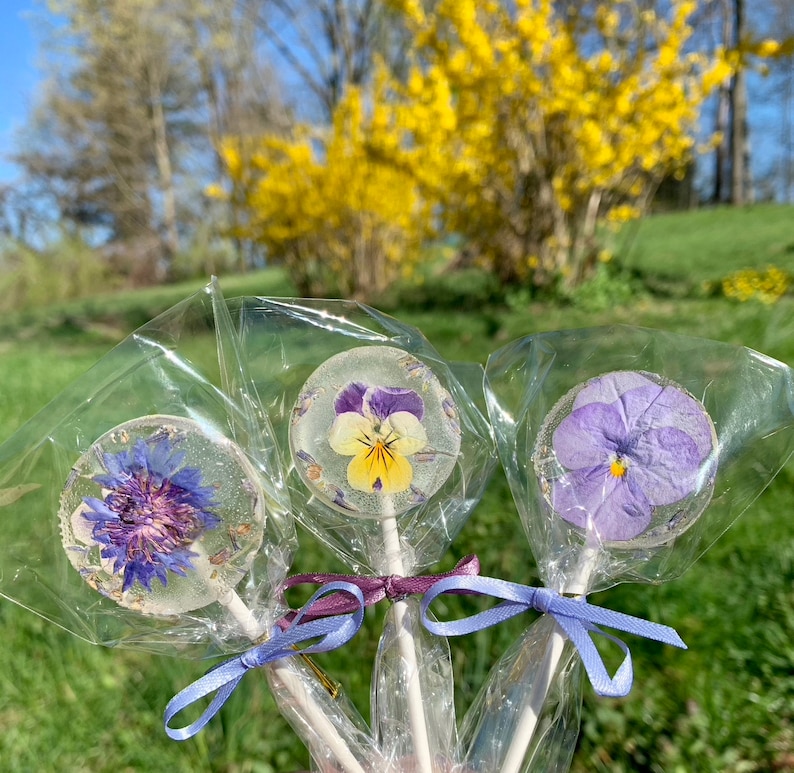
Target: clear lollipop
(627, 459)
(373, 435)
(628, 452)
(164, 519)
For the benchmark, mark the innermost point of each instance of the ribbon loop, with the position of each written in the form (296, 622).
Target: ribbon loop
(331, 632)
(375, 589)
(577, 619)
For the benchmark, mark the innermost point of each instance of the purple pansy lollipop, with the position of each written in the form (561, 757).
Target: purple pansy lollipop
(631, 451)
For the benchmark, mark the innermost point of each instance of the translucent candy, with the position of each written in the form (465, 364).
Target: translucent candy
(212, 559)
(373, 432)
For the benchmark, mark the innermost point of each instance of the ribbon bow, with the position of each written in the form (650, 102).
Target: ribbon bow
(333, 632)
(374, 589)
(576, 617)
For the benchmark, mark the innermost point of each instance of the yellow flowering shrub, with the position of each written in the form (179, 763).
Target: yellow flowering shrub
(523, 130)
(342, 221)
(767, 286)
(531, 128)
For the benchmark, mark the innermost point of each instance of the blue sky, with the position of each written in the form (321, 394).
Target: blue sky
(18, 75)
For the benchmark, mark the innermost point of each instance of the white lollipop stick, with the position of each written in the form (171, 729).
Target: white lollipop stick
(530, 714)
(305, 704)
(407, 648)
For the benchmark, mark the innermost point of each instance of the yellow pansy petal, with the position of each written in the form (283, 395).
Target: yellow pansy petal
(404, 433)
(350, 433)
(379, 469)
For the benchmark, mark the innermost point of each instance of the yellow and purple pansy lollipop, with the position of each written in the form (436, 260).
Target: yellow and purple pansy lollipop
(373, 432)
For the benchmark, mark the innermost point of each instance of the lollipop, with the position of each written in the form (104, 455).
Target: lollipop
(164, 519)
(628, 452)
(375, 434)
(174, 528)
(628, 459)
(387, 457)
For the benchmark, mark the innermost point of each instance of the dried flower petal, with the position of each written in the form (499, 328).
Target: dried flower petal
(154, 509)
(629, 445)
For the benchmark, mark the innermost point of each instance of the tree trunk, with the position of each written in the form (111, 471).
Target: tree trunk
(741, 187)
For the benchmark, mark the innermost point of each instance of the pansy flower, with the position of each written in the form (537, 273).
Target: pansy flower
(380, 427)
(153, 508)
(628, 446)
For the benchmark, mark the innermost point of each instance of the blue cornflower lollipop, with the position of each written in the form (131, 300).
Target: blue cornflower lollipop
(161, 517)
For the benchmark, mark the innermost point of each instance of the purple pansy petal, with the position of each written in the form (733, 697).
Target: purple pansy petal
(586, 437)
(665, 465)
(595, 498)
(351, 399)
(607, 389)
(674, 408)
(384, 401)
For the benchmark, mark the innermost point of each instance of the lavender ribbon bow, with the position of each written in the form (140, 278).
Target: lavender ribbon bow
(576, 617)
(374, 589)
(333, 632)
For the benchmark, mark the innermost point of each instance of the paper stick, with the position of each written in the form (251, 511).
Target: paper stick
(306, 705)
(407, 648)
(531, 711)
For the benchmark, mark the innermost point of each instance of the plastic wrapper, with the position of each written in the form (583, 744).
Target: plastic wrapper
(146, 507)
(628, 452)
(387, 456)
(168, 421)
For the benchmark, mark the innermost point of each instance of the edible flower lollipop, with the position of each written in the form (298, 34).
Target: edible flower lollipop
(145, 506)
(628, 452)
(162, 518)
(389, 456)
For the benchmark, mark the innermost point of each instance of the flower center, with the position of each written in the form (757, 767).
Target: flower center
(154, 519)
(618, 467)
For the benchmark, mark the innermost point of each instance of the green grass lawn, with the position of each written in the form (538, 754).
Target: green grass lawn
(727, 704)
(708, 244)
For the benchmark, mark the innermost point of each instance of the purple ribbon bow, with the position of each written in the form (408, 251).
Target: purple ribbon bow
(576, 617)
(333, 632)
(374, 589)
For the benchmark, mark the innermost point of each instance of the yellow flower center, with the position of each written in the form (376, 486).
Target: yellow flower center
(618, 467)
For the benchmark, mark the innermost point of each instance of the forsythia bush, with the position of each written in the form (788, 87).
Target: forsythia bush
(532, 128)
(520, 127)
(343, 222)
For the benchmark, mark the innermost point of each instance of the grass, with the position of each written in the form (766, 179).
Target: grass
(708, 244)
(727, 704)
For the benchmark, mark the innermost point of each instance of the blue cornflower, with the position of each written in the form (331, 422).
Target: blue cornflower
(153, 511)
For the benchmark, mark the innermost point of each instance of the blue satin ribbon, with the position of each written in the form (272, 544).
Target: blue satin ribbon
(333, 632)
(576, 617)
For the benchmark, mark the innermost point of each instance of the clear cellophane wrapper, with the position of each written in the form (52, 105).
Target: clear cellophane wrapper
(178, 388)
(747, 399)
(287, 344)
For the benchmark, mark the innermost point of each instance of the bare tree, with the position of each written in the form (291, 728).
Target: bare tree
(322, 46)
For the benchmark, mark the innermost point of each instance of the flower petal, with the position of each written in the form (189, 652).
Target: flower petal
(594, 498)
(587, 436)
(671, 407)
(383, 402)
(666, 462)
(351, 432)
(380, 470)
(350, 399)
(609, 387)
(403, 433)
